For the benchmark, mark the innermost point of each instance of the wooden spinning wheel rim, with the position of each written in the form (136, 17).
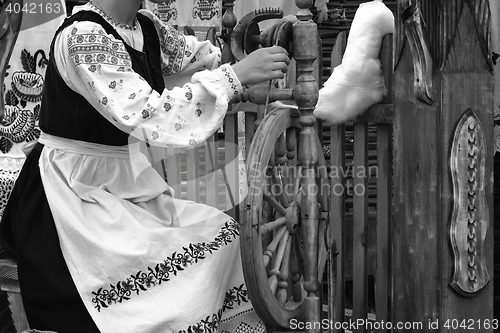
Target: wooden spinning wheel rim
(265, 303)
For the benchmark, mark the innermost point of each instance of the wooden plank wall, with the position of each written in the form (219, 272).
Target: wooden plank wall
(423, 193)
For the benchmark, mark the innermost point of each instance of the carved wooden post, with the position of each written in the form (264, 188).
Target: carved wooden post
(305, 51)
(443, 158)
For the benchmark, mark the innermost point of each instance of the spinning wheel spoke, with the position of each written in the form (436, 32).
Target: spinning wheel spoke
(275, 271)
(279, 190)
(265, 228)
(271, 248)
(274, 203)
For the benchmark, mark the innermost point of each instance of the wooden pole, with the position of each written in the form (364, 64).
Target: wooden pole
(306, 95)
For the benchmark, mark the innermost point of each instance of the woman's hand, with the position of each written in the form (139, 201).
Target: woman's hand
(262, 65)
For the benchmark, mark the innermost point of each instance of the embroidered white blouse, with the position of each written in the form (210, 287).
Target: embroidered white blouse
(187, 112)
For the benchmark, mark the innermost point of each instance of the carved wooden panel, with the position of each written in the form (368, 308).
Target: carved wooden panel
(430, 27)
(470, 216)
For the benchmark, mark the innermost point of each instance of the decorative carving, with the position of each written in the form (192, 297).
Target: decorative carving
(433, 25)
(421, 57)
(470, 216)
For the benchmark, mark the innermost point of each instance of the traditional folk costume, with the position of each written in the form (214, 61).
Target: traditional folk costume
(101, 244)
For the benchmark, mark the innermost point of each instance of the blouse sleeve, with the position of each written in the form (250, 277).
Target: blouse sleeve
(98, 66)
(182, 53)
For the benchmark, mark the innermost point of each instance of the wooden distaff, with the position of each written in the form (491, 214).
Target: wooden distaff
(10, 24)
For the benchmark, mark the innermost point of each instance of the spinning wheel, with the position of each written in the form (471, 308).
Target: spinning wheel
(282, 233)
(278, 235)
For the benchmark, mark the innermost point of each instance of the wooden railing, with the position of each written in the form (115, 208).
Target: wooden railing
(361, 197)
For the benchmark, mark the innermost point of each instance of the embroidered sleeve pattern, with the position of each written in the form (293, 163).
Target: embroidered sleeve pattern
(183, 53)
(100, 69)
(173, 47)
(96, 48)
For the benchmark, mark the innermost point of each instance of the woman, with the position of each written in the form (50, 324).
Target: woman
(100, 243)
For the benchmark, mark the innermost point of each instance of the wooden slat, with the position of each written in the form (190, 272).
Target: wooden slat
(337, 211)
(193, 174)
(337, 217)
(250, 119)
(384, 216)
(211, 165)
(383, 293)
(173, 163)
(231, 165)
(360, 224)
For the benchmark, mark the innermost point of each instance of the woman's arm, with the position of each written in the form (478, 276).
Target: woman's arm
(179, 116)
(183, 55)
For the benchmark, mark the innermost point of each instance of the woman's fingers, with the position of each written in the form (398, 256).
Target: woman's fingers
(281, 66)
(262, 65)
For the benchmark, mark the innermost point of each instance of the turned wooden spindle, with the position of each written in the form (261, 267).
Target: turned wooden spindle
(291, 143)
(305, 51)
(281, 157)
(282, 294)
(229, 21)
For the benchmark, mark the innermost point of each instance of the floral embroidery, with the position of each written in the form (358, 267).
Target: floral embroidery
(189, 94)
(104, 100)
(112, 85)
(207, 325)
(148, 112)
(173, 44)
(167, 107)
(155, 135)
(199, 109)
(132, 96)
(87, 48)
(236, 295)
(180, 124)
(163, 271)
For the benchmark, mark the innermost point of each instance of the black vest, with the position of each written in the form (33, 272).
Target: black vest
(66, 114)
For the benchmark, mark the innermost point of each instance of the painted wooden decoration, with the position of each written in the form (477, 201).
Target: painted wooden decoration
(471, 215)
